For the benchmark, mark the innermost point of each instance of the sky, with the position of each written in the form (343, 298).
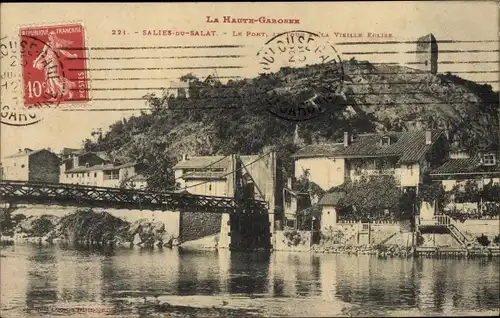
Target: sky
(147, 56)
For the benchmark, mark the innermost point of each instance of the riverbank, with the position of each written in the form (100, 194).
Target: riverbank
(408, 251)
(86, 227)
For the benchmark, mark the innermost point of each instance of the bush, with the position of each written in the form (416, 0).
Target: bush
(420, 239)
(333, 236)
(294, 238)
(42, 226)
(93, 228)
(483, 240)
(496, 240)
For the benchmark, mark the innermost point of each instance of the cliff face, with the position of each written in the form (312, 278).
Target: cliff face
(234, 118)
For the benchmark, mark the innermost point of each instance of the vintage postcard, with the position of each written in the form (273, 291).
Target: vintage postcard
(305, 159)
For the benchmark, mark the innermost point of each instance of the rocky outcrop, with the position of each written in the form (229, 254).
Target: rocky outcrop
(149, 233)
(88, 227)
(36, 227)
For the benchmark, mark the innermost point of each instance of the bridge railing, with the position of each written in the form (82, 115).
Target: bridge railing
(43, 192)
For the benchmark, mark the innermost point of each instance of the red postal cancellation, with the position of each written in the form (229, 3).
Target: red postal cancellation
(54, 65)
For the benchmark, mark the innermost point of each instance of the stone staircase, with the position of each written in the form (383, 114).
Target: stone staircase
(440, 222)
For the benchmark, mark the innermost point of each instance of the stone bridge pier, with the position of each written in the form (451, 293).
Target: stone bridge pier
(232, 231)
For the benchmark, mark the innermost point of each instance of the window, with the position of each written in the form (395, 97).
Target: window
(95, 174)
(22, 166)
(210, 187)
(386, 141)
(489, 159)
(111, 175)
(88, 174)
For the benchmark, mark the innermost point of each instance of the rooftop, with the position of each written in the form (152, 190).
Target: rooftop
(204, 161)
(331, 198)
(26, 152)
(465, 166)
(319, 150)
(101, 167)
(70, 151)
(205, 175)
(408, 146)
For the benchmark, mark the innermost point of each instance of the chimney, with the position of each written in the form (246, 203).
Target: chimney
(184, 157)
(347, 139)
(428, 137)
(289, 183)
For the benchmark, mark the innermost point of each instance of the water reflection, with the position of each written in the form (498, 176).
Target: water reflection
(376, 282)
(35, 279)
(249, 273)
(42, 279)
(296, 274)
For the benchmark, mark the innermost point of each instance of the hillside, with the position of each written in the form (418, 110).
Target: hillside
(233, 118)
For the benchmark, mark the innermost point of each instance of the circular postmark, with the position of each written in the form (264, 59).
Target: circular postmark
(306, 79)
(29, 67)
(12, 110)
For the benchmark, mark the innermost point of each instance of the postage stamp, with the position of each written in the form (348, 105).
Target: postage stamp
(54, 65)
(286, 53)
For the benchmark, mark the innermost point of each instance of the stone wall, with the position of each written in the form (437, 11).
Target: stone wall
(352, 233)
(475, 228)
(381, 232)
(400, 239)
(196, 225)
(441, 240)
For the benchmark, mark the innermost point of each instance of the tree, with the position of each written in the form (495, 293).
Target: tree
(315, 192)
(42, 226)
(370, 196)
(433, 192)
(6, 222)
(224, 118)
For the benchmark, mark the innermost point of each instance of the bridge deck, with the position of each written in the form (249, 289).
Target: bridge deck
(24, 192)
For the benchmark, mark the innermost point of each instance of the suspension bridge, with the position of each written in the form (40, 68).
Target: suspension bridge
(27, 192)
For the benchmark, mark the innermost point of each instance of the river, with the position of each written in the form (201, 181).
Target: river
(61, 280)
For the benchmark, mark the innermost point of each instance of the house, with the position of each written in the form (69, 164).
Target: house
(178, 89)
(329, 204)
(70, 152)
(483, 167)
(90, 169)
(215, 176)
(204, 175)
(293, 202)
(67, 153)
(32, 165)
(405, 155)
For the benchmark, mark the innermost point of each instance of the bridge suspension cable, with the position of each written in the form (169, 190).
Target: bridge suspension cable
(229, 173)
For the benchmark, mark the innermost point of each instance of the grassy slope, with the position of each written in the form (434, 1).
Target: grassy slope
(233, 117)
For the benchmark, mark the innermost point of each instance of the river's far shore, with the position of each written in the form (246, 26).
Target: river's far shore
(382, 251)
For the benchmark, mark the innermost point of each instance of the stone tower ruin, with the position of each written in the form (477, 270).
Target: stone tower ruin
(427, 53)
